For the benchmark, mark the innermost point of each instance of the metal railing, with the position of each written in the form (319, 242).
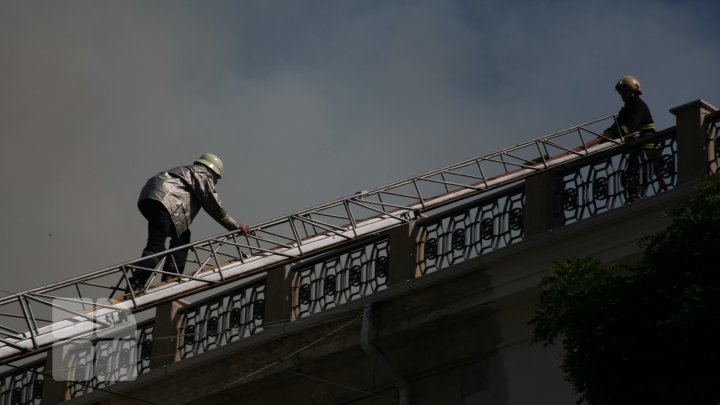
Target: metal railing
(354, 272)
(711, 125)
(222, 319)
(472, 230)
(23, 384)
(640, 169)
(29, 320)
(102, 362)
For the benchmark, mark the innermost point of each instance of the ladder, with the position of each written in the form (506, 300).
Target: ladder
(34, 320)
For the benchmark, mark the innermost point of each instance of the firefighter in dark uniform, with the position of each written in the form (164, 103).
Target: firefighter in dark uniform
(635, 119)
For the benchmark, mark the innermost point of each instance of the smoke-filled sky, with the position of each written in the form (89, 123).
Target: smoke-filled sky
(305, 101)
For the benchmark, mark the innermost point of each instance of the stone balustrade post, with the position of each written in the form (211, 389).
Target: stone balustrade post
(693, 157)
(402, 263)
(166, 334)
(278, 295)
(55, 387)
(542, 211)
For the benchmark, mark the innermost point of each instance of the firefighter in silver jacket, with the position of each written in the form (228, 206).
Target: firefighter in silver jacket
(170, 201)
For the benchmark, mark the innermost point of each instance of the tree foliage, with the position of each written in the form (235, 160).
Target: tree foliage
(646, 333)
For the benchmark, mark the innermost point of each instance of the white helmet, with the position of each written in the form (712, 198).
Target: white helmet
(212, 162)
(630, 83)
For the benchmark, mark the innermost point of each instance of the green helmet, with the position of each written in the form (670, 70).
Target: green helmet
(212, 162)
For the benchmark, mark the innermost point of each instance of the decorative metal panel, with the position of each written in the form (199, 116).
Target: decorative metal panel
(224, 319)
(115, 358)
(712, 128)
(343, 277)
(23, 385)
(482, 227)
(634, 172)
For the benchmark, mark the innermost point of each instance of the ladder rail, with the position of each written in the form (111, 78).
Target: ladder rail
(380, 211)
(299, 214)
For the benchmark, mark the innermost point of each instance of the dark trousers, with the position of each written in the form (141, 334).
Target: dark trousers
(160, 227)
(641, 171)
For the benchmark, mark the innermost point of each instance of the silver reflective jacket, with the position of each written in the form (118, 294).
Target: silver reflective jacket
(183, 191)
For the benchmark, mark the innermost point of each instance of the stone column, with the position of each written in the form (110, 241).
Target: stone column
(166, 334)
(55, 391)
(278, 295)
(402, 254)
(542, 199)
(692, 140)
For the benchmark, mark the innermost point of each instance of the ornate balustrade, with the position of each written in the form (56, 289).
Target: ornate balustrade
(340, 277)
(711, 125)
(459, 230)
(222, 319)
(639, 169)
(23, 384)
(114, 357)
(471, 230)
